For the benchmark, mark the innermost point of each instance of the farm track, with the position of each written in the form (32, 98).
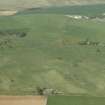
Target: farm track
(23, 100)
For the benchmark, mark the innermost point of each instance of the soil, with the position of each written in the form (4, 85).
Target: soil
(23, 100)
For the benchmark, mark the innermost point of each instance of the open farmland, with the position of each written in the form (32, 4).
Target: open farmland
(44, 51)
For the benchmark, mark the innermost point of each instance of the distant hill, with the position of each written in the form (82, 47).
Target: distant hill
(19, 4)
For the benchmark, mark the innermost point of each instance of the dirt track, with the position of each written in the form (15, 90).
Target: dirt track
(23, 100)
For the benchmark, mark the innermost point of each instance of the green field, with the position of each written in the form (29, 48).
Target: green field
(52, 51)
(88, 10)
(75, 100)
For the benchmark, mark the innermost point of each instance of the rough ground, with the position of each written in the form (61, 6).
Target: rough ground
(23, 100)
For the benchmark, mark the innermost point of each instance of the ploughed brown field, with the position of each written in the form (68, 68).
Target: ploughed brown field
(23, 100)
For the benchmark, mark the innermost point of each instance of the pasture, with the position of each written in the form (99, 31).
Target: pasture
(76, 100)
(52, 51)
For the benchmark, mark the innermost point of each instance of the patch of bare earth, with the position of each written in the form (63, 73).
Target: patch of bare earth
(23, 100)
(7, 13)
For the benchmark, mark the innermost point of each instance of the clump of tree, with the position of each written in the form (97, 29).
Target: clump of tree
(98, 50)
(21, 34)
(6, 43)
(99, 16)
(8, 37)
(88, 42)
(14, 32)
(48, 91)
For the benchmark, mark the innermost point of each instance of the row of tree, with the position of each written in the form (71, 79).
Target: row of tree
(18, 33)
(88, 42)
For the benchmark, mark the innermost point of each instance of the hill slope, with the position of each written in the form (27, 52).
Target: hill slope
(20, 4)
(52, 51)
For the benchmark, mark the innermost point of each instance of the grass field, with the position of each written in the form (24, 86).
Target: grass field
(51, 51)
(76, 100)
(88, 10)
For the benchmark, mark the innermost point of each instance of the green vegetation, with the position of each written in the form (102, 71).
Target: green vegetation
(8, 37)
(53, 52)
(75, 100)
(88, 10)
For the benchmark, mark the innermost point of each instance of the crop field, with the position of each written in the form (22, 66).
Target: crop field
(22, 100)
(44, 51)
(76, 100)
